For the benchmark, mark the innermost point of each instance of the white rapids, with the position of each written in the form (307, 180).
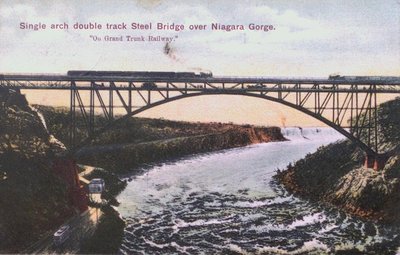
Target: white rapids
(228, 202)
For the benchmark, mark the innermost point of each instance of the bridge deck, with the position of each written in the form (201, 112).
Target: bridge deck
(383, 80)
(229, 85)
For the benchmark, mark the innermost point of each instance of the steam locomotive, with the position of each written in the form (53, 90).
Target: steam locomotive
(171, 75)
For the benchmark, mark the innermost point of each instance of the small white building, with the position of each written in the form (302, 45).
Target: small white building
(96, 185)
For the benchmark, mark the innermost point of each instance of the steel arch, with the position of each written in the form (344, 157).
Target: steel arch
(331, 124)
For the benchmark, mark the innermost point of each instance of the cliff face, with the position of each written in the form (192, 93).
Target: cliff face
(32, 199)
(141, 140)
(123, 157)
(335, 174)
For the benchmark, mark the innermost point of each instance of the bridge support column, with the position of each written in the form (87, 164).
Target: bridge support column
(376, 162)
(369, 161)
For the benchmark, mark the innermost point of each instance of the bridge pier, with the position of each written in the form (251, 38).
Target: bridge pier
(376, 162)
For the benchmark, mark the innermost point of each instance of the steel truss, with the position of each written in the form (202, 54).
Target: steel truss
(330, 101)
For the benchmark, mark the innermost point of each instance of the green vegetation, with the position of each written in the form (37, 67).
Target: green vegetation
(114, 185)
(319, 170)
(136, 130)
(335, 173)
(108, 235)
(137, 141)
(389, 124)
(32, 199)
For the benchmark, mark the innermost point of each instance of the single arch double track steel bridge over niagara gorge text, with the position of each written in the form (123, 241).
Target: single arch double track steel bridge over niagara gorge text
(346, 103)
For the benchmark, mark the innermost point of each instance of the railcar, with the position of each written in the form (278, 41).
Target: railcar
(362, 78)
(149, 85)
(61, 235)
(84, 73)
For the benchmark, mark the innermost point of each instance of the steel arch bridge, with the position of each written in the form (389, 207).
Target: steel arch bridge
(333, 101)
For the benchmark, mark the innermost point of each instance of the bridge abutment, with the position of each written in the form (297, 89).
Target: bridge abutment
(376, 162)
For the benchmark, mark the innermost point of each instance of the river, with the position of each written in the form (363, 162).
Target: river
(227, 202)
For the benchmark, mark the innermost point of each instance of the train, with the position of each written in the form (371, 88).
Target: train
(139, 74)
(337, 77)
(61, 235)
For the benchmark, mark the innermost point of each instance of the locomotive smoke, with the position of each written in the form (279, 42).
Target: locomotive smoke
(199, 69)
(170, 52)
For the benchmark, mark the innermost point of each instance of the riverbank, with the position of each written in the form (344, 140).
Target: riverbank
(127, 157)
(335, 174)
(107, 237)
(227, 203)
(139, 141)
(110, 156)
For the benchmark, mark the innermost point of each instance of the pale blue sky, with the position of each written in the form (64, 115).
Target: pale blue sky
(311, 37)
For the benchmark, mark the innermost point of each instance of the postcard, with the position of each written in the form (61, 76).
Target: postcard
(199, 127)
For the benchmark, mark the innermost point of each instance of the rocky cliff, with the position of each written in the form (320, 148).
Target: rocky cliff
(335, 173)
(32, 198)
(141, 140)
(123, 157)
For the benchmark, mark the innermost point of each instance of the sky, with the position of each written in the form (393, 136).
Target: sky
(311, 39)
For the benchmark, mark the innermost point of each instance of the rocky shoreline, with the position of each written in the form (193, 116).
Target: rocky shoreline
(136, 154)
(139, 141)
(336, 174)
(35, 201)
(147, 141)
(108, 235)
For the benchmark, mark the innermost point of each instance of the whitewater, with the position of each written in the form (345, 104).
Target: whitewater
(228, 202)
